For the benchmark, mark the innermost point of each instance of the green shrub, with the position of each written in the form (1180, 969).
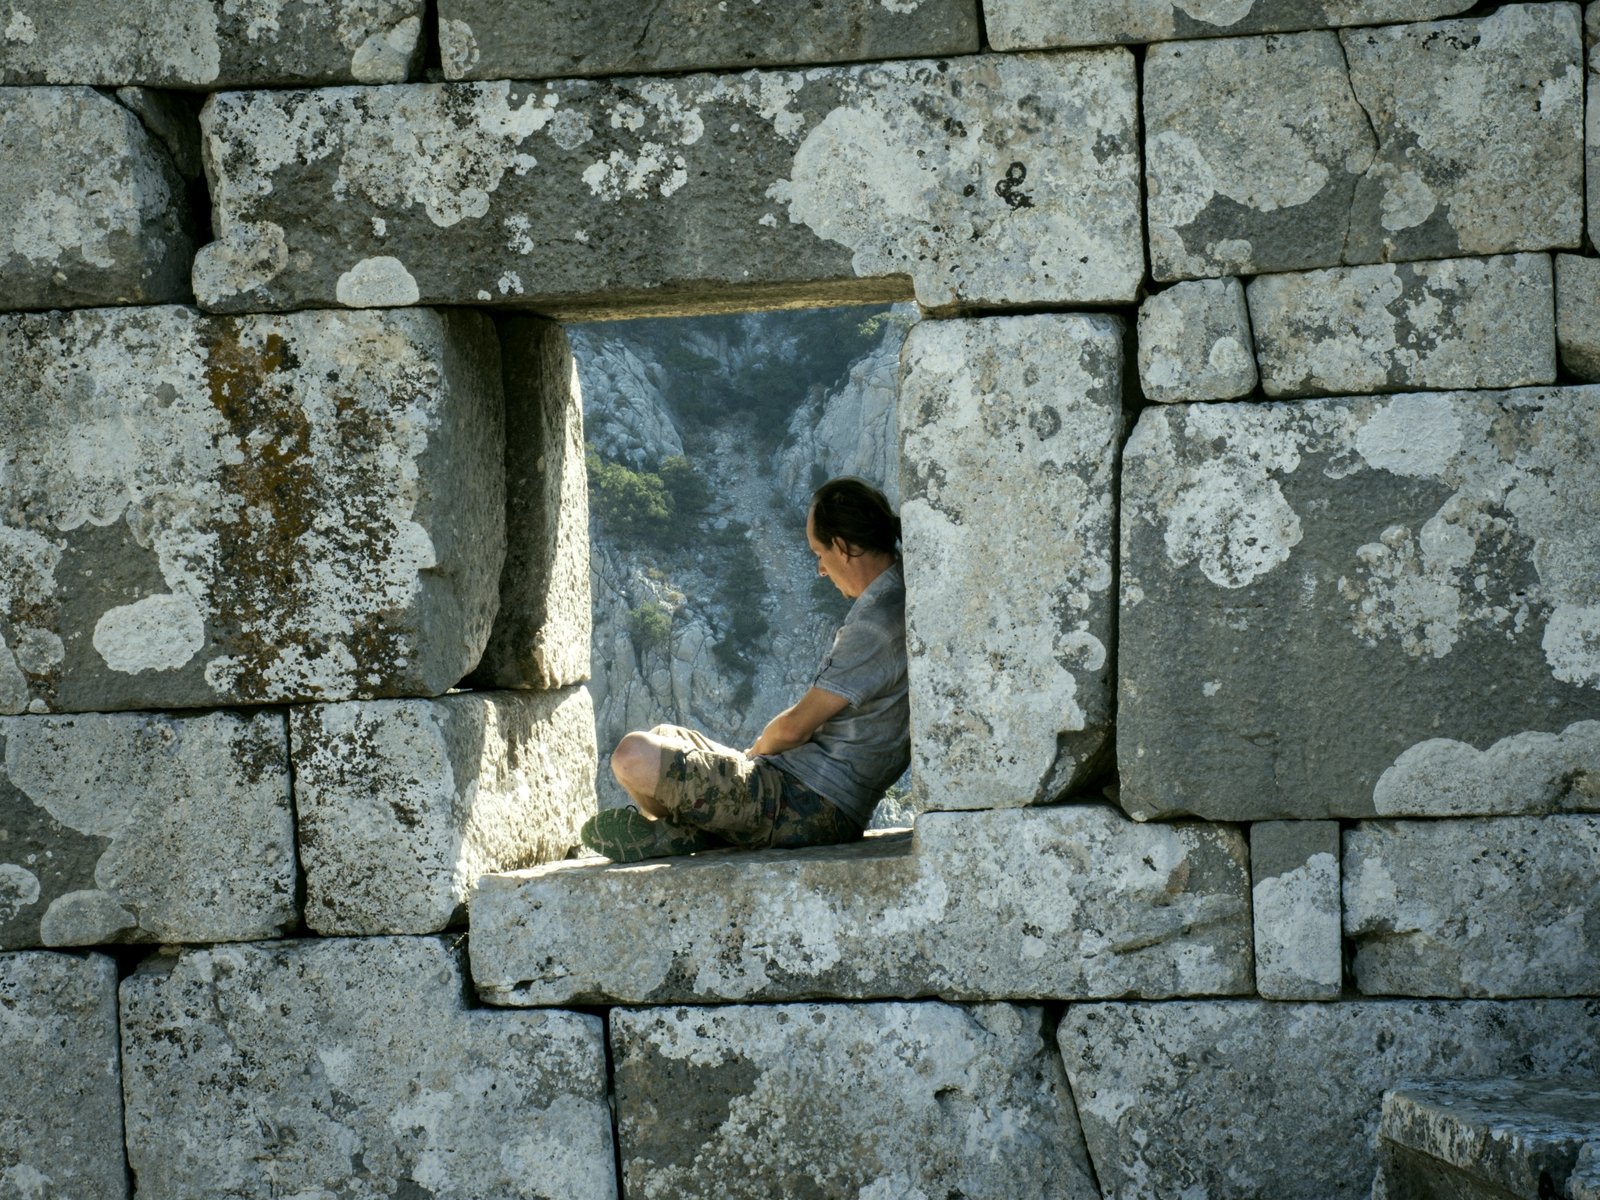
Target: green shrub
(651, 627)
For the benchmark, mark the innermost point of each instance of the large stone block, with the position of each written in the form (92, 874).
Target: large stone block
(1294, 902)
(1195, 343)
(844, 1100)
(144, 827)
(404, 803)
(92, 210)
(541, 634)
(204, 511)
(1500, 907)
(555, 39)
(354, 1068)
(685, 193)
(1309, 591)
(206, 44)
(1454, 323)
(1578, 315)
(1242, 1098)
(1009, 431)
(60, 1091)
(1031, 903)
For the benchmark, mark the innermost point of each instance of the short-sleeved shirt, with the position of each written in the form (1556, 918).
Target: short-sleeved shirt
(853, 757)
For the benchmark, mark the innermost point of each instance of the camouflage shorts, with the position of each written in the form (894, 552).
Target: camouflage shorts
(744, 801)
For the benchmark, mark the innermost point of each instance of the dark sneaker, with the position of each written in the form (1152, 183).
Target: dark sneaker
(626, 835)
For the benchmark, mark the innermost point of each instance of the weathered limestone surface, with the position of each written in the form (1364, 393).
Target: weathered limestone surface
(92, 210)
(1486, 1139)
(60, 1091)
(1308, 590)
(1039, 24)
(1578, 315)
(1057, 902)
(1294, 885)
(1454, 323)
(145, 827)
(354, 1067)
(1501, 907)
(204, 511)
(542, 631)
(554, 39)
(1195, 343)
(1211, 1098)
(812, 1100)
(987, 180)
(206, 44)
(404, 803)
(1009, 432)
(1591, 126)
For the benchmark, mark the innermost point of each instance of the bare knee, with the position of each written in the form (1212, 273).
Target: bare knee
(636, 763)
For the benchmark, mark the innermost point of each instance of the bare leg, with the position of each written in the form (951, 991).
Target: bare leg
(636, 763)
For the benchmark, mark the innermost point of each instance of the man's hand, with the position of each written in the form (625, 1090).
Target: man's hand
(795, 725)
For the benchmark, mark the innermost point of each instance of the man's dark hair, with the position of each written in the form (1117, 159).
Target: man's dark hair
(854, 510)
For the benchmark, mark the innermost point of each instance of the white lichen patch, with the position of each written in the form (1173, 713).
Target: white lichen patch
(385, 55)
(249, 255)
(158, 633)
(19, 889)
(1533, 772)
(459, 51)
(378, 282)
(1297, 930)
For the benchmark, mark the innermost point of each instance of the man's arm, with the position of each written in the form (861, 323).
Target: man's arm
(795, 725)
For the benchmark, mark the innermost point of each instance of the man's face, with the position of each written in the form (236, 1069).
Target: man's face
(832, 562)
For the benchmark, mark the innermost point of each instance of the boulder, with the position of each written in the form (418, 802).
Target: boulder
(1498, 907)
(1195, 343)
(700, 192)
(1308, 590)
(844, 1100)
(61, 1090)
(403, 803)
(1578, 315)
(205, 511)
(354, 1067)
(1454, 323)
(1009, 431)
(1294, 902)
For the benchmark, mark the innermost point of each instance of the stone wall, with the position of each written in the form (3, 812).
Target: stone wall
(1253, 556)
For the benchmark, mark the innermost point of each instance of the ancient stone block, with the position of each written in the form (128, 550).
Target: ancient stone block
(1455, 323)
(1030, 903)
(1499, 907)
(542, 631)
(1195, 343)
(556, 39)
(1578, 315)
(1480, 134)
(1294, 886)
(1039, 24)
(1309, 590)
(1591, 126)
(353, 1066)
(844, 1100)
(204, 511)
(404, 803)
(685, 193)
(1212, 1097)
(1254, 147)
(60, 1091)
(1009, 431)
(204, 44)
(92, 210)
(145, 827)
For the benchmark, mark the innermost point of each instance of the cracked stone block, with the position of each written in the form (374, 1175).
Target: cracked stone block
(1454, 323)
(556, 39)
(94, 211)
(1309, 590)
(942, 179)
(1495, 907)
(1195, 343)
(61, 1090)
(1486, 1139)
(404, 803)
(1211, 1097)
(203, 511)
(844, 1100)
(355, 1067)
(1254, 147)
(542, 631)
(1480, 134)
(1013, 903)
(1578, 315)
(1009, 432)
(145, 827)
(1294, 893)
(1041, 24)
(204, 44)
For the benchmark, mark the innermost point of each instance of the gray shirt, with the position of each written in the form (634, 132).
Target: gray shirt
(854, 756)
